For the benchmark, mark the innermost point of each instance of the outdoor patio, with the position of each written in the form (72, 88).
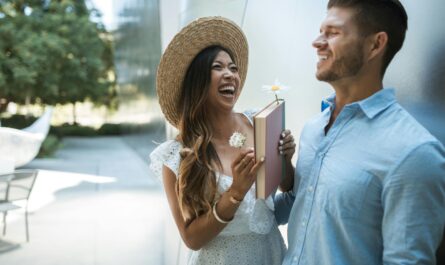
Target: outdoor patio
(95, 202)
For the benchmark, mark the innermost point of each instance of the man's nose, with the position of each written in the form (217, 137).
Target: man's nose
(319, 42)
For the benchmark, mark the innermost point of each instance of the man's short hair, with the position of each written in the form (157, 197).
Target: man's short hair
(374, 16)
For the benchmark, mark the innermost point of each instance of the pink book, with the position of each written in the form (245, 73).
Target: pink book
(268, 125)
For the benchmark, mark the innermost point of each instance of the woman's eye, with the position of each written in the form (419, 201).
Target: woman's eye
(216, 66)
(234, 68)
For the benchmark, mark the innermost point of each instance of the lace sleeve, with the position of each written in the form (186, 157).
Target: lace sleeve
(165, 154)
(250, 113)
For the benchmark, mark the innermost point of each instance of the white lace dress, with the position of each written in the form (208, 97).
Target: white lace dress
(252, 237)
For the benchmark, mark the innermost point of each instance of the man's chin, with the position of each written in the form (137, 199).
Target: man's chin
(321, 77)
(326, 77)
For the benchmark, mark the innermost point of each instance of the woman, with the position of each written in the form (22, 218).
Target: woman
(208, 183)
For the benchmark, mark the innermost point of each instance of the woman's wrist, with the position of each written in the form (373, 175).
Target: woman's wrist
(235, 196)
(217, 217)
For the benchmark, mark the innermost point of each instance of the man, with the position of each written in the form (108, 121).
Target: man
(370, 180)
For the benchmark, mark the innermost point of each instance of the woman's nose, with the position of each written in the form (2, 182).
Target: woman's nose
(228, 73)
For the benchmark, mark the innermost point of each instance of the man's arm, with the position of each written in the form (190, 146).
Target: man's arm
(413, 202)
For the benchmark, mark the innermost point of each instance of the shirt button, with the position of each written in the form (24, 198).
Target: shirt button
(295, 259)
(310, 189)
(303, 223)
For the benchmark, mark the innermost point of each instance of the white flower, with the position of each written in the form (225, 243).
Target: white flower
(237, 140)
(276, 88)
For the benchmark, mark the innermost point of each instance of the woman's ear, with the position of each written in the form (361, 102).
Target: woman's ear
(377, 45)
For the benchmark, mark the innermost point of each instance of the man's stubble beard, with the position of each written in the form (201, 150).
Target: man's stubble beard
(346, 66)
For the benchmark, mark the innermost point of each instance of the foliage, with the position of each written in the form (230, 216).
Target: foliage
(51, 52)
(110, 129)
(18, 121)
(73, 130)
(49, 146)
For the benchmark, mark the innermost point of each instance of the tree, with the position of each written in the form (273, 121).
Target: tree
(54, 53)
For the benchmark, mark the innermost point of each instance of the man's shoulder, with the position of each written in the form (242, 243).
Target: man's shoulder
(400, 125)
(403, 137)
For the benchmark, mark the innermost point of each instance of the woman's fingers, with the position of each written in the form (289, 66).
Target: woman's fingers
(242, 161)
(286, 137)
(254, 169)
(241, 178)
(285, 134)
(248, 167)
(287, 144)
(241, 156)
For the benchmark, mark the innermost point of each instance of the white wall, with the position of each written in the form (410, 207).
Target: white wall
(175, 252)
(279, 48)
(280, 34)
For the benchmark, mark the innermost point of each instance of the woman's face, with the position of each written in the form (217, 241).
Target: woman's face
(224, 82)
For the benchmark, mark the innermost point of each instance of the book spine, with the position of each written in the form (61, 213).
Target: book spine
(283, 161)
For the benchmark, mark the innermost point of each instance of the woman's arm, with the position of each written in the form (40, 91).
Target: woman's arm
(286, 147)
(199, 231)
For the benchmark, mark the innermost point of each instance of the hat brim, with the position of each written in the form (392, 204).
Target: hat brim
(184, 47)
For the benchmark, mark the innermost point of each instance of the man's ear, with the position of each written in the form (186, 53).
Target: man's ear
(377, 44)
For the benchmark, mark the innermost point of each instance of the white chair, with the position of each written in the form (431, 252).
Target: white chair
(16, 186)
(19, 147)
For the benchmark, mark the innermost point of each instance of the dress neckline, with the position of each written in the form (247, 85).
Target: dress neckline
(251, 123)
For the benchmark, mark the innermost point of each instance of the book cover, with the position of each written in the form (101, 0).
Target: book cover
(268, 126)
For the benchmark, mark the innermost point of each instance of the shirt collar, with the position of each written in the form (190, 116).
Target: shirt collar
(371, 106)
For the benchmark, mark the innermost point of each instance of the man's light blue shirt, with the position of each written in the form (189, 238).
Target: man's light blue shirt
(370, 191)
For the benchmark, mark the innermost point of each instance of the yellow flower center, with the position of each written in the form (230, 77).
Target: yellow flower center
(275, 88)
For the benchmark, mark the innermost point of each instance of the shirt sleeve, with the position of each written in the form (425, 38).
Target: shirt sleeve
(283, 203)
(413, 201)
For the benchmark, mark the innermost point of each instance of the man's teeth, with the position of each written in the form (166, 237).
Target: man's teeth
(322, 57)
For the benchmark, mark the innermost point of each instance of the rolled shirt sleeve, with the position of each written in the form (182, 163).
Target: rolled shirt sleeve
(283, 205)
(413, 201)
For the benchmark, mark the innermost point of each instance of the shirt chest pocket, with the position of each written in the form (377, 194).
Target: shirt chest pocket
(343, 194)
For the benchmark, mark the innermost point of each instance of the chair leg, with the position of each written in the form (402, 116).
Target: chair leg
(4, 222)
(26, 223)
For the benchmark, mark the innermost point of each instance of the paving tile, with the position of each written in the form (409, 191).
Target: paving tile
(94, 203)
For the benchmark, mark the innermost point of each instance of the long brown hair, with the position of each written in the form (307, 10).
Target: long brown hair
(196, 185)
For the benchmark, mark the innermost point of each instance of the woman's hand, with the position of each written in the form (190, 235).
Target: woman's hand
(286, 146)
(244, 171)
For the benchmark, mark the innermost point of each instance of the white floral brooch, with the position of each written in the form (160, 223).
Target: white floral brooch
(237, 140)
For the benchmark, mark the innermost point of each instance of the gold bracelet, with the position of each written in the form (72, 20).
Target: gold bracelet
(217, 216)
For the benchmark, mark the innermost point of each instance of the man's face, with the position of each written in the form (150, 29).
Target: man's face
(339, 46)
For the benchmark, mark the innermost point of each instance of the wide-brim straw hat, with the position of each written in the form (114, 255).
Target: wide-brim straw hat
(184, 47)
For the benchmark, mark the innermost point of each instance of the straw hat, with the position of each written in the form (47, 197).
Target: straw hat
(181, 51)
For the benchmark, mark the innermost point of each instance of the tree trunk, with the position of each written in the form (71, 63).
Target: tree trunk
(74, 114)
(3, 104)
(27, 104)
